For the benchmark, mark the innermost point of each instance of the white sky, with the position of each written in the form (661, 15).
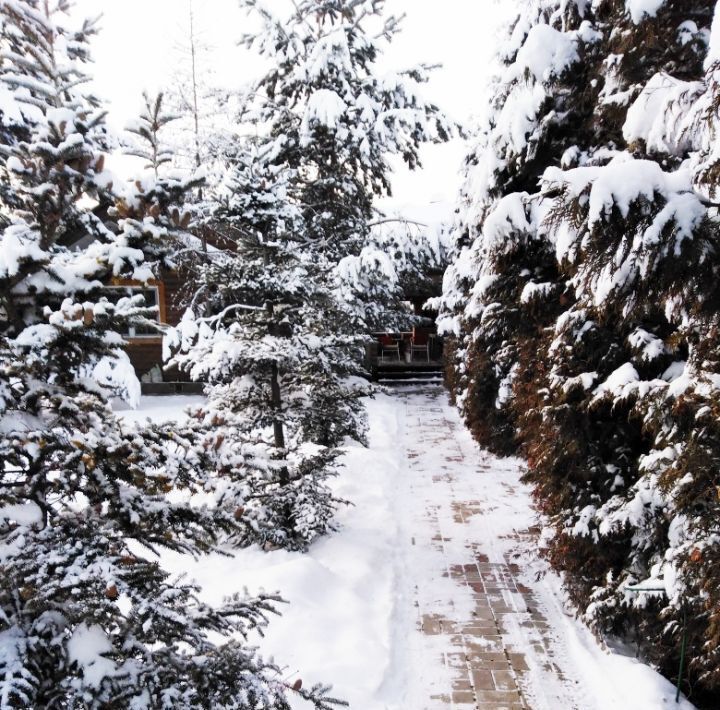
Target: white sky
(139, 48)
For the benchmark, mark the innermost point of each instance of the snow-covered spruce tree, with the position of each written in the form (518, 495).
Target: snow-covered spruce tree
(335, 119)
(278, 349)
(147, 130)
(165, 192)
(87, 617)
(205, 111)
(258, 333)
(416, 251)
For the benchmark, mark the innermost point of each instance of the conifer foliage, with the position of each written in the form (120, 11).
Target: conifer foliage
(583, 301)
(148, 130)
(335, 118)
(279, 317)
(279, 399)
(88, 618)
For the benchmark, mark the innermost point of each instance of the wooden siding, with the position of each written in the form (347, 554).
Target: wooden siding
(146, 352)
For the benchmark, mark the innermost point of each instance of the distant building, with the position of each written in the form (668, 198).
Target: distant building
(144, 346)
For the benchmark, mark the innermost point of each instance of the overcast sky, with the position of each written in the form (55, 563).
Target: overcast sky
(140, 48)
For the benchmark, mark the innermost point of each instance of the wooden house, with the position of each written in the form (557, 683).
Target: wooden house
(144, 347)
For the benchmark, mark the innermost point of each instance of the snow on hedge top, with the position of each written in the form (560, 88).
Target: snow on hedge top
(546, 53)
(639, 9)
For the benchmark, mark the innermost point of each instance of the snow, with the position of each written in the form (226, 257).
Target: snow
(649, 345)
(651, 584)
(351, 618)
(518, 119)
(585, 380)
(325, 108)
(18, 243)
(342, 594)
(634, 684)
(85, 647)
(118, 375)
(546, 53)
(685, 210)
(713, 54)
(158, 409)
(640, 9)
(618, 513)
(620, 183)
(657, 115)
(10, 110)
(25, 514)
(677, 369)
(533, 290)
(331, 52)
(508, 218)
(619, 186)
(620, 382)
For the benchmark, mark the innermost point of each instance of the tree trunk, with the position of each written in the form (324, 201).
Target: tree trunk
(279, 433)
(276, 404)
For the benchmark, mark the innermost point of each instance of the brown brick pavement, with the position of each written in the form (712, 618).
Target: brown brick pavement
(499, 656)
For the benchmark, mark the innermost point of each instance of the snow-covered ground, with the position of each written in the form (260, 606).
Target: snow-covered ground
(352, 617)
(158, 409)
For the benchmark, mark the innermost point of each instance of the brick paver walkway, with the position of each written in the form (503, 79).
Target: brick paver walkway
(491, 639)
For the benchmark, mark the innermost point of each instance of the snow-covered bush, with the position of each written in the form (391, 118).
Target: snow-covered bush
(502, 287)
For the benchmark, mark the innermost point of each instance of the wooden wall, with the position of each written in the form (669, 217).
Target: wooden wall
(146, 352)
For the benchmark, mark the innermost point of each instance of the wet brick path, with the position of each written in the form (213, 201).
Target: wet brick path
(501, 654)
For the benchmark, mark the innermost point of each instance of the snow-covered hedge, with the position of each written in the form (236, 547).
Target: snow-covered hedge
(584, 307)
